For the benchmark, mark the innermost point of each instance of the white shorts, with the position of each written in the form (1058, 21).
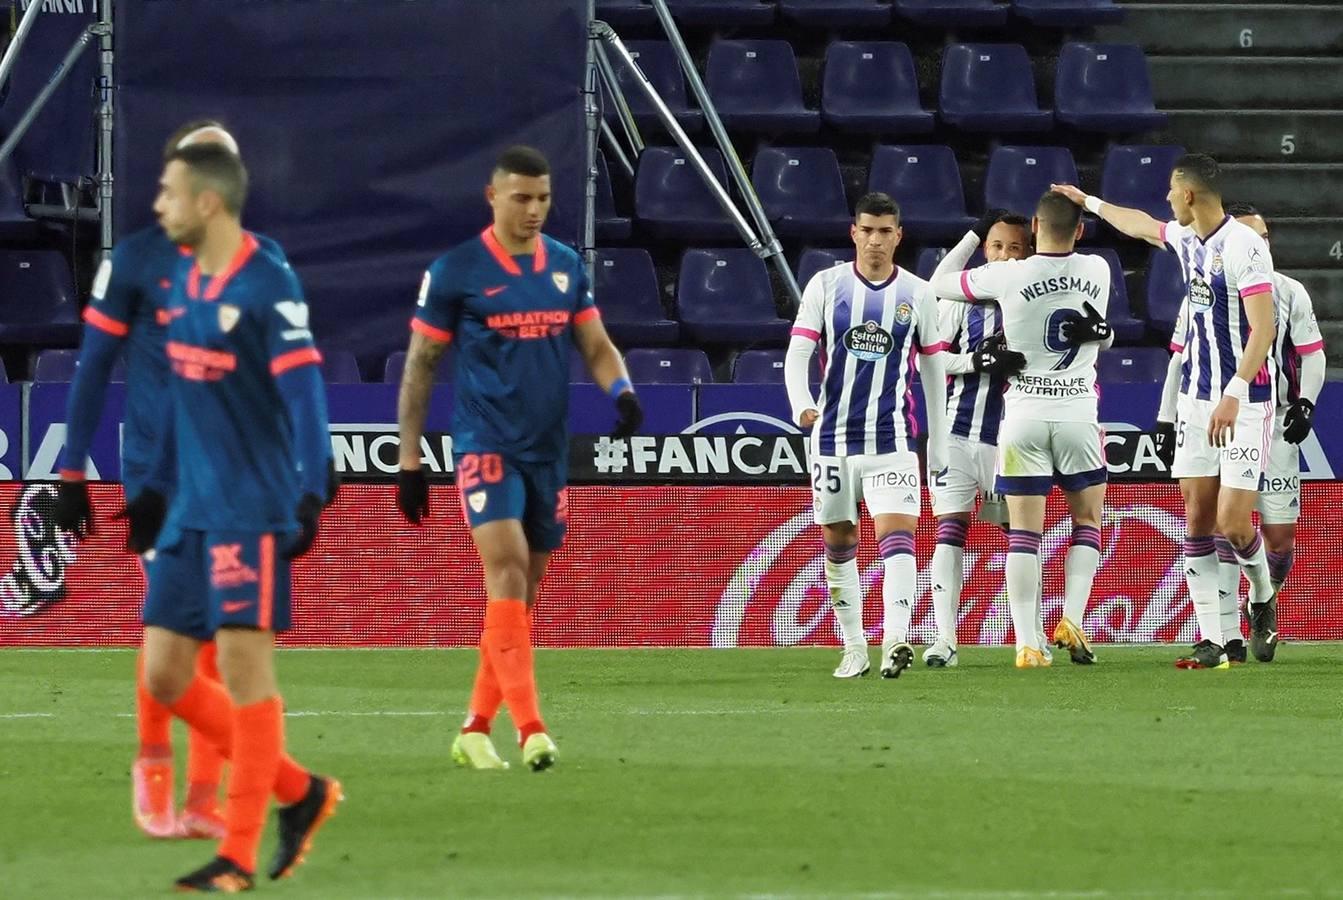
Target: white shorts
(889, 482)
(1241, 464)
(1280, 488)
(969, 476)
(1034, 455)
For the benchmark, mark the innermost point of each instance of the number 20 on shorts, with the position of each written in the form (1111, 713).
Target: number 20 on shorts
(473, 469)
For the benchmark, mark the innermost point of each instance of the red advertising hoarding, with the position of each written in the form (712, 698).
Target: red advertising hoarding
(643, 566)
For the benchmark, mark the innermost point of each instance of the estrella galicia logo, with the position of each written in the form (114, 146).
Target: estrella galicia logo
(1200, 295)
(36, 579)
(869, 341)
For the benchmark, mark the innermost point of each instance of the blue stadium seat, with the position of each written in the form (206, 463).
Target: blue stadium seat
(929, 257)
(722, 12)
(672, 201)
(1068, 13)
(756, 87)
(1105, 88)
(396, 367)
(1017, 177)
(657, 61)
(724, 296)
(626, 13)
(626, 290)
(1119, 313)
(926, 182)
(1139, 176)
(38, 302)
(60, 366)
(953, 13)
(1120, 365)
(802, 191)
(340, 367)
(989, 87)
(669, 365)
(815, 259)
(871, 87)
(610, 224)
(836, 13)
(758, 367)
(1165, 291)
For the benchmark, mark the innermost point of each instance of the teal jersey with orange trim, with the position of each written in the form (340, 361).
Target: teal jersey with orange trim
(511, 321)
(239, 434)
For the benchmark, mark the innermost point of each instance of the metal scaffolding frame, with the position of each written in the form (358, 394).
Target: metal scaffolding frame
(756, 232)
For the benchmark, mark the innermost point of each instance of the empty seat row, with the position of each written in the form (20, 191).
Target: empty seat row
(338, 367)
(871, 87)
(866, 13)
(802, 189)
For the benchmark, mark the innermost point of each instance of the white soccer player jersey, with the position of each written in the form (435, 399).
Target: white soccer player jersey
(1036, 296)
(974, 400)
(1220, 271)
(1297, 333)
(869, 334)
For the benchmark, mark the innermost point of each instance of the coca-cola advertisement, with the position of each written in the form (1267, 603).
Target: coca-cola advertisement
(657, 566)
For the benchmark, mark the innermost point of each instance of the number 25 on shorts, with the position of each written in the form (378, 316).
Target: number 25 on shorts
(831, 476)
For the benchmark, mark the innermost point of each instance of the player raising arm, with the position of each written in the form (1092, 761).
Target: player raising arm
(1053, 307)
(872, 319)
(1224, 424)
(514, 301)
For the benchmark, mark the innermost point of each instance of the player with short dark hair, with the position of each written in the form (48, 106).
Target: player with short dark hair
(249, 434)
(515, 302)
(124, 316)
(1225, 407)
(871, 320)
(977, 364)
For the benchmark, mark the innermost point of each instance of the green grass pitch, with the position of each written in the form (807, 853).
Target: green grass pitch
(732, 773)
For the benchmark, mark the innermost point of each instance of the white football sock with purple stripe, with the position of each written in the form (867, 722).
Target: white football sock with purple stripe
(1200, 574)
(948, 576)
(1079, 570)
(1228, 590)
(1023, 584)
(846, 594)
(898, 586)
(1254, 563)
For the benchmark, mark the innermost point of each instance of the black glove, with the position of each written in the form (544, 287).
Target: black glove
(629, 415)
(412, 494)
(1080, 330)
(144, 515)
(332, 482)
(1297, 421)
(1164, 438)
(309, 508)
(993, 357)
(990, 218)
(72, 511)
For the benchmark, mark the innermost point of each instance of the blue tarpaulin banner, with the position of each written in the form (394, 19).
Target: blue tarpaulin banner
(369, 128)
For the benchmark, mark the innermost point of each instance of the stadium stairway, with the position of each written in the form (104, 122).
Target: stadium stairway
(1258, 86)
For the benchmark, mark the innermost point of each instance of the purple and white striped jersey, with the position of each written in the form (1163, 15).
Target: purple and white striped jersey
(1220, 271)
(869, 334)
(974, 399)
(1298, 334)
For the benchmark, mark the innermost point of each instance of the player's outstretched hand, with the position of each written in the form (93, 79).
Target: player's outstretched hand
(1165, 443)
(987, 221)
(332, 482)
(1072, 192)
(144, 516)
(1297, 420)
(1081, 330)
(72, 510)
(629, 415)
(309, 509)
(412, 494)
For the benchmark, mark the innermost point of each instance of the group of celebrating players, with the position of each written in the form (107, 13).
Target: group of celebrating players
(1017, 413)
(227, 464)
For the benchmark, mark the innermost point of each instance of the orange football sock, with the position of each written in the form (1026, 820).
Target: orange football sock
(258, 740)
(153, 719)
(204, 762)
(206, 707)
(507, 640)
(485, 696)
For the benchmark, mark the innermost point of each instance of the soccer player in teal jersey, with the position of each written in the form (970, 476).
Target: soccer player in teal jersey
(514, 301)
(250, 438)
